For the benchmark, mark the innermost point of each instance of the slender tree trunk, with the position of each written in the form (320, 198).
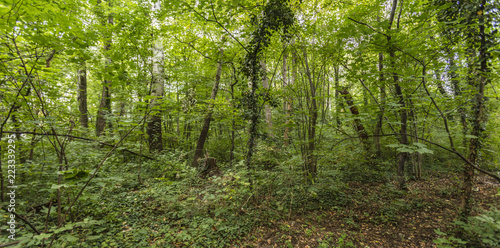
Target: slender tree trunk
(339, 104)
(198, 153)
(233, 123)
(311, 159)
(403, 156)
(105, 104)
(286, 103)
(267, 108)
(82, 95)
(380, 117)
(415, 162)
(457, 92)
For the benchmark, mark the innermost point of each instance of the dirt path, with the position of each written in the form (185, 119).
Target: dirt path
(378, 216)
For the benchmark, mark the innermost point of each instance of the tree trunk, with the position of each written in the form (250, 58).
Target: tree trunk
(403, 156)
(311, 159)
(206, 123)
(338, 100)
(380, 117)
(155, 137)
(457, 92)
(478, 118)
(286, 103)
(360, 129)
(82, 95)
(267, 108)
(105, 103)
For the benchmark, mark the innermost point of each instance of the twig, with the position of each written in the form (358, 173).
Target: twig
(97, 169)
(362, 23)
(218, 23)
(438, 145)
(23, 219)
(192, 46)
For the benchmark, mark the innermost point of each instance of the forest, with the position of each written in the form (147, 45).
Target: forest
(239, 123)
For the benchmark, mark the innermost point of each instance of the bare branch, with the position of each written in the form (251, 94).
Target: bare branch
(362, 23)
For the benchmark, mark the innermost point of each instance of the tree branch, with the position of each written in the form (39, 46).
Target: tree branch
(491, 174)
(76, 137)
(23, 219)
(362, 23)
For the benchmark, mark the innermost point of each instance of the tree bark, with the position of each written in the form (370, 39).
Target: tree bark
(360, 129)
(457, 92)
(82, 95)
(380, 117)
(267, 108)
(478, 117)
(403, 156)
(311, 158)
(105, 102)
(286, 103)
(338, 100)
(198, 153)
(155, 137)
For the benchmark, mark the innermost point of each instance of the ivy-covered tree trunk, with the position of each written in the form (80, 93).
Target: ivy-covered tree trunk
(276, 15)
(198, 153)
(478, 108)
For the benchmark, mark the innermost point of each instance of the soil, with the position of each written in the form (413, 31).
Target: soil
(379, 215)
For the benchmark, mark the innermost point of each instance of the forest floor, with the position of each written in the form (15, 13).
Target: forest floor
(378, 216)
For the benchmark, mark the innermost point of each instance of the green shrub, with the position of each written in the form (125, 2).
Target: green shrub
(480, 231)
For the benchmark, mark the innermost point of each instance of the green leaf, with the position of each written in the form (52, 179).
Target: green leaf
(439, 232)
(58, 186)
(424, 150)
(94, 237)
(405, 149)
(69, 238)
(393, 145)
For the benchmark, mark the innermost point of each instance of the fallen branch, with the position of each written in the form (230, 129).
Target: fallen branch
(9, 244)
(23, 219)
(97, 170)
(80, 138)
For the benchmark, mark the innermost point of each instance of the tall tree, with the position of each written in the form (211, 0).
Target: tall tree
(477, 15)
(311, 162)
(82, 94)
(105, 103)
(155, 138)
(198, 153)
(403, 156)
(267, 108)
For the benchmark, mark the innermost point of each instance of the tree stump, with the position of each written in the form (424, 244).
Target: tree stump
(209, 168)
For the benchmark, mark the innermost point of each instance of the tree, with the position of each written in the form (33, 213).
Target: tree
(82, 95)
(154, 131)
(206, 123)
(104, 111)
